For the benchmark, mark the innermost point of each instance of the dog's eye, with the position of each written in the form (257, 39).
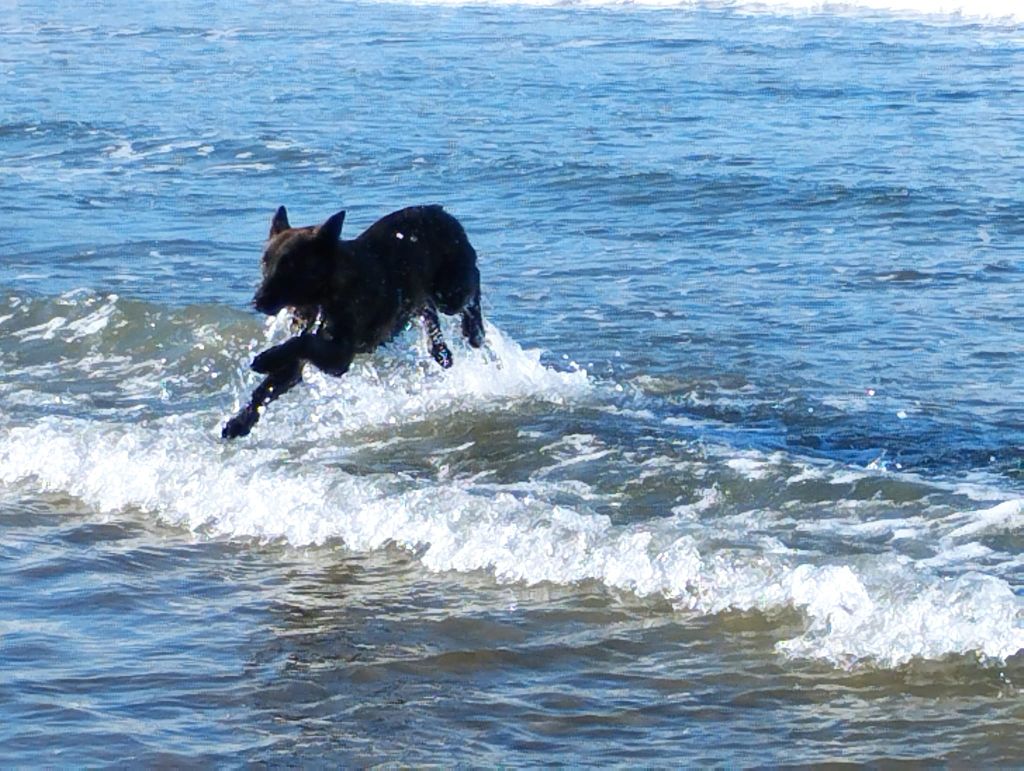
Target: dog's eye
(287, 264)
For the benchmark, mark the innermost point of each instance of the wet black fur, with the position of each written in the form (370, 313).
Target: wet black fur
(348, 297)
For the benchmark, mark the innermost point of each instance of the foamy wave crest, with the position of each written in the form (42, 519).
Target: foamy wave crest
(974, 9)
(173, 468)
(994, 10)
(402, 384)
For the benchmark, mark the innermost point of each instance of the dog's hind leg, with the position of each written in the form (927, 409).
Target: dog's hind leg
(274, 385)
(473, 321)
(438, 347)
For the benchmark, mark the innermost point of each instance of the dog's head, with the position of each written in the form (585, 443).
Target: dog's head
(298, 263)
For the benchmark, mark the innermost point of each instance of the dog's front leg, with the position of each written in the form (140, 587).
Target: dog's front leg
(283, 363)
(332, 356)
(274, 385)
(279, 357)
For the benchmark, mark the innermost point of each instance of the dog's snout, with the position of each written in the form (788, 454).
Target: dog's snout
(264, 304)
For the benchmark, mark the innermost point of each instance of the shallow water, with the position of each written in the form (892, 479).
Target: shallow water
(737, 481)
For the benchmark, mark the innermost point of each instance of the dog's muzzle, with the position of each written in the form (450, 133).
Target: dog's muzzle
(265, 305)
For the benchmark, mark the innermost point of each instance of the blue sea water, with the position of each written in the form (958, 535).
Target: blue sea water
(738, 481)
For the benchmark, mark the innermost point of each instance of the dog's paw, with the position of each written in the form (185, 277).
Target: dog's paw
(240, 425)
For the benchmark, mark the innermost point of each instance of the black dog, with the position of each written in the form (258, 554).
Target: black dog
(348, 297)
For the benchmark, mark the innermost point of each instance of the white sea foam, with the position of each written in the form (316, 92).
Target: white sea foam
(1004, 517)
(281, 484)
(241, 168)
(45, 331)
(980, 9)
(882, 611)
(753, 465)
(386, 390)
(92, 323)
(994, 10)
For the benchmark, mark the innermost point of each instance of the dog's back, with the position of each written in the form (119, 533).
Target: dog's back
(425, 249)
(428, 258)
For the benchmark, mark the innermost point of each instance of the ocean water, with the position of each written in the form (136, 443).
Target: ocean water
(739, 479)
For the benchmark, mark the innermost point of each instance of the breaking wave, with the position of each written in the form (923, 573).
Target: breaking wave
(371, 461)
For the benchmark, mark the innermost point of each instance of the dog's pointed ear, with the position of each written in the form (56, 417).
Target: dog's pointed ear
(330, 231)
(280, 222)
